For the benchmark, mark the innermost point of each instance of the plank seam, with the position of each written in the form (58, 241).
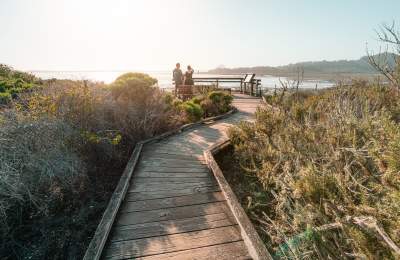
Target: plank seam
(175, 207)
(177, 233)
(174, 251)
(219, 190)
(122, 225)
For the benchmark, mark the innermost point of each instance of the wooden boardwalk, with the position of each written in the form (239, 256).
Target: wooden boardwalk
(174, 208)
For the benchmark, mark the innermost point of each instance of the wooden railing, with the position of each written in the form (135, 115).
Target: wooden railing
(252, 88)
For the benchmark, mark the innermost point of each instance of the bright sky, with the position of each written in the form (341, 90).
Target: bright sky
(155, 34)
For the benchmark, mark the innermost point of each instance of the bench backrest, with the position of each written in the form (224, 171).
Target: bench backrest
(185, 90)
(249, 78)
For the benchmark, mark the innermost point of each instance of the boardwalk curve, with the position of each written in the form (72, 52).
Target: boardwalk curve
(173, 207)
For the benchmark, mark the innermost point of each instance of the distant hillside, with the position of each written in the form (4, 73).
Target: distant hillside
(311, 68)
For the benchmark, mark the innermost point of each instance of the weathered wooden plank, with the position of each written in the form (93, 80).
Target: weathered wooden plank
(176, 148)
(205, 134)
(201, 138)
(171, 213)
(175, 163)
(154, 159)
(143, 187)
(180, 141)
(181, 156)
(177, 152)
(172, 179)
(186, 200)
(144, 195)
(171, 165)
(169, 227)
(197, 168)
(173, 174)
(212, 132)
(172, 243)
(189, 139)
(228, 251)
(208, 131)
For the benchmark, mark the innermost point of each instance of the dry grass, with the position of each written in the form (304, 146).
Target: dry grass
(62, 149)
(325, 161)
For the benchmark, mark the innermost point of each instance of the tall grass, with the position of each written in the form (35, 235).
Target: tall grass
(62, 150)
(329, 167)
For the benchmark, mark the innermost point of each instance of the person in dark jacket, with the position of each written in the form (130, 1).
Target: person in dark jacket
(177, 76)
(189, 76)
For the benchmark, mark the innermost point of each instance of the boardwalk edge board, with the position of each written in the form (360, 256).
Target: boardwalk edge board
(256, 247)
(100, 237)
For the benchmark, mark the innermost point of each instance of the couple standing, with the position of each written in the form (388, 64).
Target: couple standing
(181, 79)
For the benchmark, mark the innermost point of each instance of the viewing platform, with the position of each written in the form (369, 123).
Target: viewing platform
(248, 84)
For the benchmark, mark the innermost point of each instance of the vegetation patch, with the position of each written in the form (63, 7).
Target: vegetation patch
(204, 105)
(319, 173)
(63, 146)
(13, 82)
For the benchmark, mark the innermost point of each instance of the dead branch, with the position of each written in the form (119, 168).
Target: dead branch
(370, 223)
(390, 36)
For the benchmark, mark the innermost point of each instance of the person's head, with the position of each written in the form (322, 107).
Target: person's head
(189, 67)
(178, 65)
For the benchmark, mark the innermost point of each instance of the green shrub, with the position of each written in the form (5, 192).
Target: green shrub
(133, 87)
(198, 99)
(320, 157)
(216, 96)
(145, 78)
(141, 108)
(217, 102)
(5, 71)
(177, 102)
(5, 98)
(169, 99)
(193, 111)
(15, 82)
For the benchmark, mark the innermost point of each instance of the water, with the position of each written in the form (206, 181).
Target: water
(165, 78)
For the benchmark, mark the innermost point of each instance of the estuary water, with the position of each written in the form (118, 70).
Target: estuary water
(165, 78)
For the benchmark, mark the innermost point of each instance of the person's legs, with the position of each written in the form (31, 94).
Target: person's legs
(177, 84)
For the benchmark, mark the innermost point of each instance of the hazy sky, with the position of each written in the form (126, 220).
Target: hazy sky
(154, 34)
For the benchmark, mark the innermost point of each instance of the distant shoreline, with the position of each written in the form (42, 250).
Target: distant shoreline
(331, 77)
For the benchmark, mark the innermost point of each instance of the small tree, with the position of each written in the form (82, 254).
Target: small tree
(388, 62)
(292, 84)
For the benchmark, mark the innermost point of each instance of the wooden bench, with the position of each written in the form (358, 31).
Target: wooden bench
(184, 92)
(248, 80)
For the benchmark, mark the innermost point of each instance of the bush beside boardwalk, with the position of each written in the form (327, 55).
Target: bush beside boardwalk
(318, 164)
(63, 147)
(13, 82)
